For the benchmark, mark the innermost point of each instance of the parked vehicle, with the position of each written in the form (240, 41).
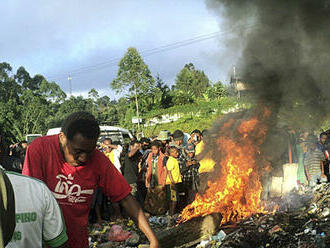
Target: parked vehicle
(118, 134)
(30, 137)
(53, 131)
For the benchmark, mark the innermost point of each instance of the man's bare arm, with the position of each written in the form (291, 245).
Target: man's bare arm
(134, 210)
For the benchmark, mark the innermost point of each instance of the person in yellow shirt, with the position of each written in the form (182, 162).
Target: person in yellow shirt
(206, 163)
(173, 178)
(112, 151)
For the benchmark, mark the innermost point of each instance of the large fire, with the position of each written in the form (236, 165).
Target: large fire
(236, 191)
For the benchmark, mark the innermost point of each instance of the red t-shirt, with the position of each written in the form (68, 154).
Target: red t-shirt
(74, 187)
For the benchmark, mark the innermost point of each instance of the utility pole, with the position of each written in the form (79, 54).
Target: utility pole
(137, 108)
(235, 77)
(70, 84)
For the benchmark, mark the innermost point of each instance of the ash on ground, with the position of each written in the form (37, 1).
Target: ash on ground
(302, 221)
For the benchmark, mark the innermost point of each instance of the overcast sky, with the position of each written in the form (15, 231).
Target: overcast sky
(87, 38)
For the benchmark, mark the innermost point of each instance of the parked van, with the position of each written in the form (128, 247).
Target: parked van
(118, 134)
(30, 137)
(53, 131)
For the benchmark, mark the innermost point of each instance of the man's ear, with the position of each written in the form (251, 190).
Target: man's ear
(62, 138)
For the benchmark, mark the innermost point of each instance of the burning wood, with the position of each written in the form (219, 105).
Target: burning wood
(236, 191)
(196, 229)
(304, 225)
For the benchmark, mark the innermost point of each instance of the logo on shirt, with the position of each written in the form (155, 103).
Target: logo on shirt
(65, 189)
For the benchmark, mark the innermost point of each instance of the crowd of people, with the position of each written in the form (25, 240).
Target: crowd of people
(150, 176)
(162, 171)
(313, 158)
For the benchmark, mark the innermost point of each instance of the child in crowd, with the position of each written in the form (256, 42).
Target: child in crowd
(193, 166)
(173, 179)
(156, 173)
(155, 201)
(314, 165)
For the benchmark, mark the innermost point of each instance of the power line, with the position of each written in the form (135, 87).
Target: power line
(148, 52)
(144, 53)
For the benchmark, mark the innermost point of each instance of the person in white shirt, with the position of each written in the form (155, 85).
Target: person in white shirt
(113, 152)
(7, 209)
(38, 216)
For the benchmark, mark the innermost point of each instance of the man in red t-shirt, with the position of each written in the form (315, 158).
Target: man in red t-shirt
(72, 169)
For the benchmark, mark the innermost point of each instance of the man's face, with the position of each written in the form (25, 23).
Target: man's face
(323, 139)
(196, 137)
(178, 142)
(154, 150)
(174, 153)
(191, 154)
(106, 147)
(24, 145)
(136, 146)
(78, 150)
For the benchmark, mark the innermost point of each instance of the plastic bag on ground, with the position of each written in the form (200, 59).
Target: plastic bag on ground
(117, 234)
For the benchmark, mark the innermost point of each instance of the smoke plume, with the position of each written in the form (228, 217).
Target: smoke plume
(286, 54)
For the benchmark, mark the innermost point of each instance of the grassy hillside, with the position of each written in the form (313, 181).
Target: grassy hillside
(185, 124)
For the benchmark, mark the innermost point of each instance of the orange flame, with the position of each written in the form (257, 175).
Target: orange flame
(236, 191)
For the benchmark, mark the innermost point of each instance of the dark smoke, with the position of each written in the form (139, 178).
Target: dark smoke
(286, 56)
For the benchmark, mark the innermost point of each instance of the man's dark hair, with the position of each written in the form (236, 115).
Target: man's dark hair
(196, 131)
(156, 143)
(204, 132)
(83, 123)
(133, 142)
(323, 133)
(178, 135)
(144, 140)
(172, 148)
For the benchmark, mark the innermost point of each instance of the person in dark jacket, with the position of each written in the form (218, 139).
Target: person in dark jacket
(131, 169)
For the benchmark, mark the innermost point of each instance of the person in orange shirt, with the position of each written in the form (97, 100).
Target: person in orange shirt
(155, 202)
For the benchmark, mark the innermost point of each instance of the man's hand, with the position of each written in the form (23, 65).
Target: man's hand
(134, 210)
(154, 244)
(133, 149)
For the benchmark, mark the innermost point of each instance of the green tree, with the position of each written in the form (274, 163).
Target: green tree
(123, 106)
(191, 79)
(180, 97)
(25, 102)
(165, 93)
(70, 105)
(215, 91)
(133, 74)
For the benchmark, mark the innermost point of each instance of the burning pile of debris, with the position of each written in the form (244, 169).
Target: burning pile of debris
(302, 220)
(306, 225)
